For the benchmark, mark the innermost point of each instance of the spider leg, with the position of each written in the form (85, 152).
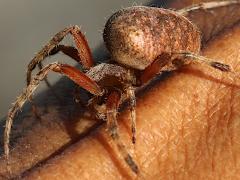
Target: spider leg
(67, 50)
(33, 105)
(71, 52)
(132, 99)
(40, 66)
(169, 62)
(71, 72)
(184, 58)
(112, 105)
(74, 54)
(49, 86)
(155, 67)
(82, 54)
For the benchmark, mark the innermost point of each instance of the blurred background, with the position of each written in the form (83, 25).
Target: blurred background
(26, 26)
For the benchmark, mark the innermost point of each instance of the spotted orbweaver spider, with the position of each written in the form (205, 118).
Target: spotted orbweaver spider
(142, 41)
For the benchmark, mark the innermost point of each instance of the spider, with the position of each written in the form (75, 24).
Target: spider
(143, 42)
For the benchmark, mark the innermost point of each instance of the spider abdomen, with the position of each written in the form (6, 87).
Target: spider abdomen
(135, 36)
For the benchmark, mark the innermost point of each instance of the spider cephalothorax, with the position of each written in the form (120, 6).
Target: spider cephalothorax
(142, 41)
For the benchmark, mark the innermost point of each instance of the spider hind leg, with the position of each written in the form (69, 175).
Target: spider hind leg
(186, 57)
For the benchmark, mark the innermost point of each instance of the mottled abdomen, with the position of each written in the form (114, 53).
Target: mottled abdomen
(135, 36)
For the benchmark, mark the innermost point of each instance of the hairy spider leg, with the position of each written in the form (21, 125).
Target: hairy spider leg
(155, 68)
(74, 54)
(49, 86)
(132, 99)
(71, 72)
(112, 105)
(71, 52)
(169, 62)
(184, 58)
(82, 54)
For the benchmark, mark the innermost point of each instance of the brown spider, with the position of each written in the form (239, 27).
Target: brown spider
(142, 41)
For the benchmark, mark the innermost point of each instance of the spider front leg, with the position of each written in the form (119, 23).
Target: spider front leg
(67, 50)
(112, 105)
(71, 72)
(82, 54)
